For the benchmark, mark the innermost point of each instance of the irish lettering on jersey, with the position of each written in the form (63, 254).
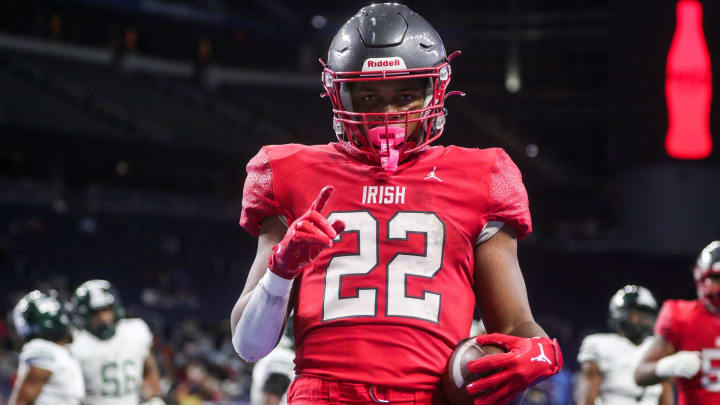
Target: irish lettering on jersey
(383, 195)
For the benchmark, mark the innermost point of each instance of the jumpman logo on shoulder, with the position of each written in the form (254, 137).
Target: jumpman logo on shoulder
(541, 356)
(432, 175)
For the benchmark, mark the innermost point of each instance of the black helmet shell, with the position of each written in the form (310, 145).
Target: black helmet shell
(384, 31)
(91, 297)
(41, 314)
(631, 297)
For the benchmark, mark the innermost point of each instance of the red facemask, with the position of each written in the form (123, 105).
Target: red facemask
(389, 143)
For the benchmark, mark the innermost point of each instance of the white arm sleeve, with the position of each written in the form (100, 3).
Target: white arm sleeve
(261, 322)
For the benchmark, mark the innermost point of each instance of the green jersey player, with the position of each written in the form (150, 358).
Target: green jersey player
(114, 351)
(47, 373)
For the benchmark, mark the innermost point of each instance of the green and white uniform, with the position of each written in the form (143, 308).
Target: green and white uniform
(617, 357)
(65, 386)
(113, 368)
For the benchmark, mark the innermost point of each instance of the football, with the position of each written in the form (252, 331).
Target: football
(457, 376)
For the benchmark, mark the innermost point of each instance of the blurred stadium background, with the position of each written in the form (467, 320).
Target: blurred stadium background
(126, 125)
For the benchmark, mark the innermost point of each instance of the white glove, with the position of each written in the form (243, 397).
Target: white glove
(154, 401)
(683, 364)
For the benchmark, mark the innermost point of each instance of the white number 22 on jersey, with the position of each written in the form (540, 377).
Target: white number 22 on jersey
(402, 265)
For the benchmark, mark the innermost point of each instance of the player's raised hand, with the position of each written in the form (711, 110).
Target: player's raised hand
(305, 238)
(527, 361)
(683, 364)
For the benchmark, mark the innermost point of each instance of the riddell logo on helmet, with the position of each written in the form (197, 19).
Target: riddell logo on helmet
(376, 64)
(384, 63)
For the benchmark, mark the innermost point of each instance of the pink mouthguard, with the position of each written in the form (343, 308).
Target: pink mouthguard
(387, 138)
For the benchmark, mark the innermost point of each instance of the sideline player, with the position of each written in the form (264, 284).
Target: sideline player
(47, 373)
(686, 345)
(384, 280)
(609, 359)
(114, 351)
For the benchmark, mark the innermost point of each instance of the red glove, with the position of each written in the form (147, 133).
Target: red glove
(304, 239)
(527, 361)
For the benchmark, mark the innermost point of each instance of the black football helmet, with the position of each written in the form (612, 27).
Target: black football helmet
(41, 314)
(387, 42)
(92, 297)
(708, 264)
(627, 299)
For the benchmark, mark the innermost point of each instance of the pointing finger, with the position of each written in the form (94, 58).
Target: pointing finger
(322, 198)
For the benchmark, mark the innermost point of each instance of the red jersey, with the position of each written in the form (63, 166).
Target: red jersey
(390, 300)
(688, 325)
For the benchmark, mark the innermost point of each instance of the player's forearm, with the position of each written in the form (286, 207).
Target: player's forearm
(25, 395)
(589, 383)
(645, 374)
(15, 399)
(151, 387)
(261, 320)
(238, 309)
(588, 392)
(29, 386)
(151, 378)
(589, 399)
(527, 329)
(668, 396)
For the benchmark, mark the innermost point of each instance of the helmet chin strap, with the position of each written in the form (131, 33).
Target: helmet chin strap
(387, 139)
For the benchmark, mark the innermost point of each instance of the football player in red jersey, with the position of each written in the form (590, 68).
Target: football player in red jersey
(383, 244)
(687, 338)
